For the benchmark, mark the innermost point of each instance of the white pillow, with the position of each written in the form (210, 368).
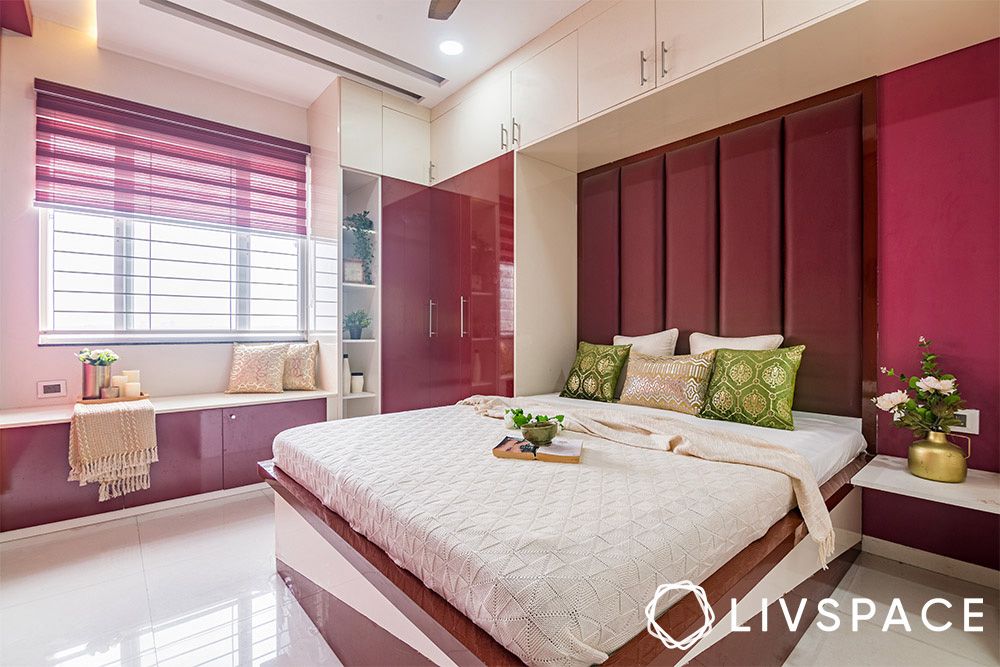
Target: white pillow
(701, 342)
(659, 344)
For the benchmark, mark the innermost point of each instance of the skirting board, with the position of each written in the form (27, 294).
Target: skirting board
(951, 567)
(44, 529)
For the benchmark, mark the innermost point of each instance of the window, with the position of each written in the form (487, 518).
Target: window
(160, 227)
(112, 278)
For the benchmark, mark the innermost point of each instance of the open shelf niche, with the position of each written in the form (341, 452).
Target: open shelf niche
(361, 192)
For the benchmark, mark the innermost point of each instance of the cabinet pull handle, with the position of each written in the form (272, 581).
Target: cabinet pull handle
(663, 58)
(430, 319)
(430, 172)
(503, 137)
(515, 133)
(461, 307)
(232, 417)
(642, 68)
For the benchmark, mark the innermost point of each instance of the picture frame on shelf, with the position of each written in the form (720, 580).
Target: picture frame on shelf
(354, 271)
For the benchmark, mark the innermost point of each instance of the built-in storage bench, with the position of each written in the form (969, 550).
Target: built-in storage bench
(206, 442)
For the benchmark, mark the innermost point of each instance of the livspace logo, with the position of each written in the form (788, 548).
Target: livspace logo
(859, 610)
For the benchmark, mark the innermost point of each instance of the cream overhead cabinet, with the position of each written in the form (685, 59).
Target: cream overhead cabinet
(617, 58)
(406, 146)
(782, 15)
(544, 92)
(360, 127)
(692, 35)
(475, 131)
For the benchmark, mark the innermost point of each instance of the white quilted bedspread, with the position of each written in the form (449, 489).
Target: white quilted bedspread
(555, 561)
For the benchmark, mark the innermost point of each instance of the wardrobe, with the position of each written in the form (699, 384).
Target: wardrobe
(448, 287)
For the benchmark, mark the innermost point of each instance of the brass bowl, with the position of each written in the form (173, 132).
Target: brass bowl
(540, 434)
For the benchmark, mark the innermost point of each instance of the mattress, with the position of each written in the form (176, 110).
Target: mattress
(555, 561)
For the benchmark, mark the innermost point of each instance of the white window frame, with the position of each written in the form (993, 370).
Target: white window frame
(121, 334)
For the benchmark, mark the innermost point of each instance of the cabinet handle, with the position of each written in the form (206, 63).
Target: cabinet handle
(232, 417)
(515, 133)
(461, 315)
(503, 137)
(430, 319)
(430, 172)
(642, 68)
(663, 58)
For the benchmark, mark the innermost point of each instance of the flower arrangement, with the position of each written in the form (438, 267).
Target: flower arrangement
(516, 418)
(928, 402)
(97, 357)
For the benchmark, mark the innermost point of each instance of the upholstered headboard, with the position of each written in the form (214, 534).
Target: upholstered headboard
(759, 227)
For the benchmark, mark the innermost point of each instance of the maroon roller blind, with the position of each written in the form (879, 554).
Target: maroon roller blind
(106, 154)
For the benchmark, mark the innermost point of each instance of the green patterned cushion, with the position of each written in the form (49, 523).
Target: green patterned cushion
(595, 372)
(754, 387)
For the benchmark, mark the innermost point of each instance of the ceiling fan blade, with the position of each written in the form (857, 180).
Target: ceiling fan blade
(441, 10)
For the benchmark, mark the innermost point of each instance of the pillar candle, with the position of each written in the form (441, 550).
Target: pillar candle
(118, 381)
(132, 389)
(132, 376)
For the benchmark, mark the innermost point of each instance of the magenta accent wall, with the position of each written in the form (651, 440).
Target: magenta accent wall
(939, 253)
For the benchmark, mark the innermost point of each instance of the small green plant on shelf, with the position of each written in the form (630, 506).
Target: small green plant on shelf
(362, 226)
(355, 322)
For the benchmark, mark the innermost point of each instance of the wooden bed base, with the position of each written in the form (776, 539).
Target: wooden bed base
(358, 640)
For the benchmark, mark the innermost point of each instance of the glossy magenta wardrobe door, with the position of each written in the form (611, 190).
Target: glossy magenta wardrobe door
(248, 433)
(34, 487)
(406, 295)
(189, 446)
(448, 378)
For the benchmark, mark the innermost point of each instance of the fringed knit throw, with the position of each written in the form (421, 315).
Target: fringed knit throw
(703, 442)
(113, 445)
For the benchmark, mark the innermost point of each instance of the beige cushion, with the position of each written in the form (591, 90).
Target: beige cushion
(257, 369)
(701, 342)
(300, 366)
(659, 344)
(669, 383)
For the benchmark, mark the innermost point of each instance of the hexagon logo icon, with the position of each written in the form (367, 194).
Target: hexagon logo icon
(687, 642)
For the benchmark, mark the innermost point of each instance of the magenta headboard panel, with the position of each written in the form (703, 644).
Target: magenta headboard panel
(753, 230)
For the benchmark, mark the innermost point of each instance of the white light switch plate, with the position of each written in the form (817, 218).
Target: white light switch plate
(971, 423)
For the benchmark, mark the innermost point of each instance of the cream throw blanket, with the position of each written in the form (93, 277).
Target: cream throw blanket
(703, 442)
(112, 444)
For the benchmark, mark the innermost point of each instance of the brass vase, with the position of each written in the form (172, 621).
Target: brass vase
(937, 459)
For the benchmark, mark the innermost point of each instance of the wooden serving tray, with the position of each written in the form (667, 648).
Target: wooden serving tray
(121, 399)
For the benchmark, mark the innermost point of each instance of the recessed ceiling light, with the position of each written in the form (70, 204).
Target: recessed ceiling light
(450, 47)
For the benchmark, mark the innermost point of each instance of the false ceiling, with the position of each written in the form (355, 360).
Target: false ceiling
(243, 42)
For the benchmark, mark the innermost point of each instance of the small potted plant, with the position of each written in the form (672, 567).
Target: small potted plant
(96, 370)
(927, 405)
(536, 429)
(363, 227)
(356, 322)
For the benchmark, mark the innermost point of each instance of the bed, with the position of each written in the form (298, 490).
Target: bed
(765, 225)
(555, 562)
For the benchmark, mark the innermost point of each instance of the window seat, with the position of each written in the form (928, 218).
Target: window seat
(61, 414)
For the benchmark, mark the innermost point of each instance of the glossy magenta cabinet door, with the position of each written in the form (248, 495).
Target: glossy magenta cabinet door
(35, 465)
(248, 432)
(406, 295)
(189, 446)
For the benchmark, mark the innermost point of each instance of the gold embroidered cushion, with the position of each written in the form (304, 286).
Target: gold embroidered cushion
(754, 387)
(300, 366)
(595, 372)
(257, 369)
(670, 383)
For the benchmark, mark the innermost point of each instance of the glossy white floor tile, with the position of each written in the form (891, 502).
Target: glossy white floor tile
(881, 580)
(182, 587)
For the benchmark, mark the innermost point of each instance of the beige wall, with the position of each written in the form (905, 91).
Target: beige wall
(71, 57)
(544, 275)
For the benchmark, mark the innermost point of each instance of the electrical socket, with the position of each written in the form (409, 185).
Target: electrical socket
(51, 388)
(970, 421)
